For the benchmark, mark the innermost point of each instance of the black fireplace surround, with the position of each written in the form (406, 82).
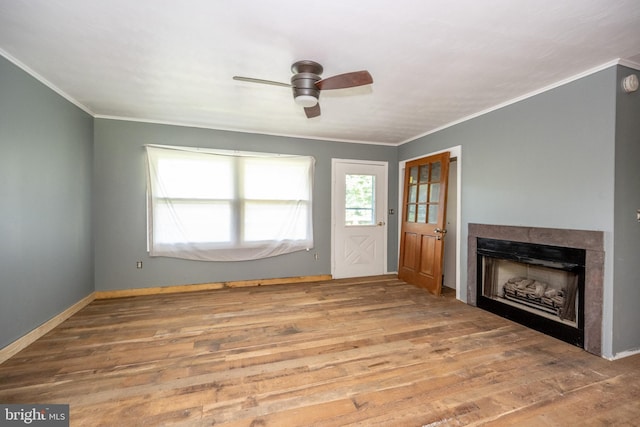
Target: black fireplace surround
(554, 306)
(591, 241)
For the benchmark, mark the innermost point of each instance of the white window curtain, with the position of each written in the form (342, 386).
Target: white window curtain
(214, 205)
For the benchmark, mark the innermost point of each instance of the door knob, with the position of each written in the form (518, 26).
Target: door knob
(440, 230)
(381, 223)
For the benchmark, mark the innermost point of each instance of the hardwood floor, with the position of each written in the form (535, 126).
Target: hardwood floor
(370, 351)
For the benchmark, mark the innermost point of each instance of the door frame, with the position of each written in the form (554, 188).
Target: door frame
(385, 208)
(453, 152)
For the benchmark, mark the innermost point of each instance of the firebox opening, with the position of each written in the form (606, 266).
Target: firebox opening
(539, 286)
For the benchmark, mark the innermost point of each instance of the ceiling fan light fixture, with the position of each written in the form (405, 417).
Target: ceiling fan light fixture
(306, 101)
(306, 84)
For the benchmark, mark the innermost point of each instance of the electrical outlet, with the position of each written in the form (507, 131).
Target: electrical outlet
(139, 264)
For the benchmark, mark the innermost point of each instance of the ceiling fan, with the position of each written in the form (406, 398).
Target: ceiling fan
(307, 84)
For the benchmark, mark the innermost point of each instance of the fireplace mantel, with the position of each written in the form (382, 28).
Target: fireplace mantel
(591, 241)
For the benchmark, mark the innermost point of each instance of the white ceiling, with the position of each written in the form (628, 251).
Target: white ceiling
(434, 63)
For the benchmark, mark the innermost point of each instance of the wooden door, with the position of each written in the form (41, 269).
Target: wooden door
(423, 222)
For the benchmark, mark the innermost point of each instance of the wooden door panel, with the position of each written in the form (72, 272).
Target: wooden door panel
(427, 253)
(411, 252)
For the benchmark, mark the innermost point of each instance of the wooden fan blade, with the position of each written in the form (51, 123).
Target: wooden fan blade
(312, 112)
(261, 81)
(346, 80)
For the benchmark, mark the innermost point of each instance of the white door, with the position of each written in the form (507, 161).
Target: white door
(359, 218)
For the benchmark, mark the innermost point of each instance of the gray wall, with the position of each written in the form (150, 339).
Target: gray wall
(46, 255)
(560, 159)
(120, 212)
(626, 295)
(547, 161)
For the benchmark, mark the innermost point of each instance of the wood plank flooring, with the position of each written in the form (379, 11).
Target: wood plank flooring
(370, 351)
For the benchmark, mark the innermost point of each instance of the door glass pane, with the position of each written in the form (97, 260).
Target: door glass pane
(413, 175)
(433, 214)
(422, 194)
(424, 173)
(413, 189)
(411, 213)
(359, 199)
(422, 214)
(434, 193)
(435, 172)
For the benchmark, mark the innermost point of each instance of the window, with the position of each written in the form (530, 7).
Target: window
(359, 199)
(225, 206)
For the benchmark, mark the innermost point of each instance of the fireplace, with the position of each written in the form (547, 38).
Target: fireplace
(539, 286)
(544, 278)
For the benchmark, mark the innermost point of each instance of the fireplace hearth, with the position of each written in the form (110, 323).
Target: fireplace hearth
(544, 278)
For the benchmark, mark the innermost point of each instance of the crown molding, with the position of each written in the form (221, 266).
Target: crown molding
(526, 96)
(45, 82)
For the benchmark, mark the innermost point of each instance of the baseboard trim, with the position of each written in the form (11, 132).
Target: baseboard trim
(624, 354)
(27, 339)
(123, 293)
